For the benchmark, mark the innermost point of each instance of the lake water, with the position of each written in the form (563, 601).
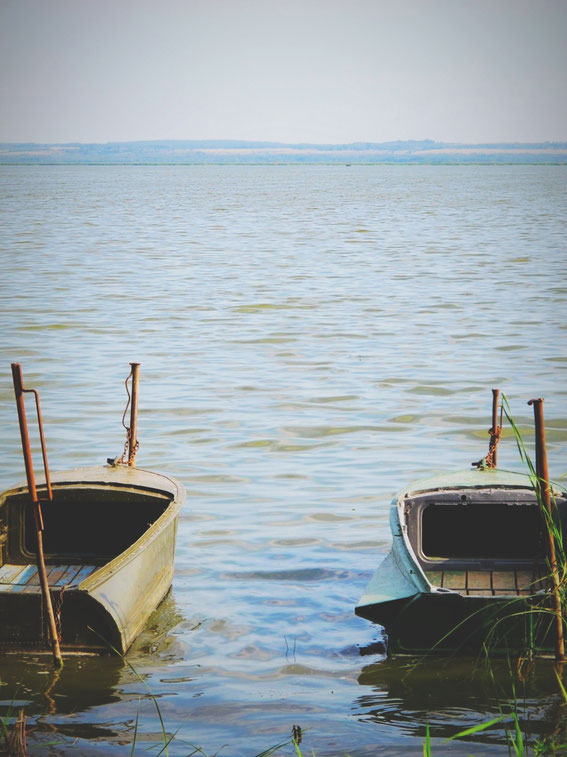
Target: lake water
(311, 339)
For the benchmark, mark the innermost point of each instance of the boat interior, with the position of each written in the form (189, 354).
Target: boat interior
(481, 542)
(85, 526)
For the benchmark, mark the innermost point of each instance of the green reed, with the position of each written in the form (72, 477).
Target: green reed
(552, 524)
(12, 741)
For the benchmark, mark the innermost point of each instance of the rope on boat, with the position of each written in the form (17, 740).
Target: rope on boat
(128, 457)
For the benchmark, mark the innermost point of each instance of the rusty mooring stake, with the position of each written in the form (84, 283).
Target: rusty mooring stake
(545, 499)
(26, 448)
(132, 439)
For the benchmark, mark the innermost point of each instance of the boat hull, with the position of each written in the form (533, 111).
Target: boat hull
(431, 622)
(110, 542)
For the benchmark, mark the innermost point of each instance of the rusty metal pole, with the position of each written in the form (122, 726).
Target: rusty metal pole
(26, 448)
(133, 439)
(545, 499)
(494, 430)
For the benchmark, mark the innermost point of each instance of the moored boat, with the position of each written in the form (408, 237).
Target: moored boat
(109, 542)
(86, 555)
(469, 566)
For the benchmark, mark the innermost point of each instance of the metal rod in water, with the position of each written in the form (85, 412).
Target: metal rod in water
(133, 440)
(545, 494)
(26, 448)
(494, 429)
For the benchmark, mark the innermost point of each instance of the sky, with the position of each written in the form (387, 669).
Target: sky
(320, 71)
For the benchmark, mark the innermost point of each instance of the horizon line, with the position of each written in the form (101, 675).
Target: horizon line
(280, 143)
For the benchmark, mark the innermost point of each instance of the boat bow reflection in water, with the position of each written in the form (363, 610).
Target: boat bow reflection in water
(405, 695)
(88, 688)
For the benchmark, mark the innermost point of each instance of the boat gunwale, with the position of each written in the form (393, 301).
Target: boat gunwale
(107, 475)
(120, 478)
(491, 478)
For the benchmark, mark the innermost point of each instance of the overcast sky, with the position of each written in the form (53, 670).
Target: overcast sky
(283, 70)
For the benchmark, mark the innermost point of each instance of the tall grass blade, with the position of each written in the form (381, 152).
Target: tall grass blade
(477, 728)
(297, 749)
(273, 749)
(135, 730)
(561, 685)
(164, 748)
(427, 743)
(516, 740)
(556, 558)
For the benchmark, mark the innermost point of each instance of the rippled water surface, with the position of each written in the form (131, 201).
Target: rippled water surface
(311, 338)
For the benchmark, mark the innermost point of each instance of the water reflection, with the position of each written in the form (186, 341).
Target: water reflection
(455, 693)
(89, 686)
(157, 639)
(42, 690)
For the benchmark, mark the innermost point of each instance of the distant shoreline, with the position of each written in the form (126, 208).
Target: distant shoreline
(232, 152)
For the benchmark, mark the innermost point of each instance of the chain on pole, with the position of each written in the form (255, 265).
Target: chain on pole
(131, 444)
(489, 461)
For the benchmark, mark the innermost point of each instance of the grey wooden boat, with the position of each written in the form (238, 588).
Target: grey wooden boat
(467, 566)
(109, 541)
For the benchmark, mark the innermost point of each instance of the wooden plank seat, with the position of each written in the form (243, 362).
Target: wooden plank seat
(490, 583)
(25, 578)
